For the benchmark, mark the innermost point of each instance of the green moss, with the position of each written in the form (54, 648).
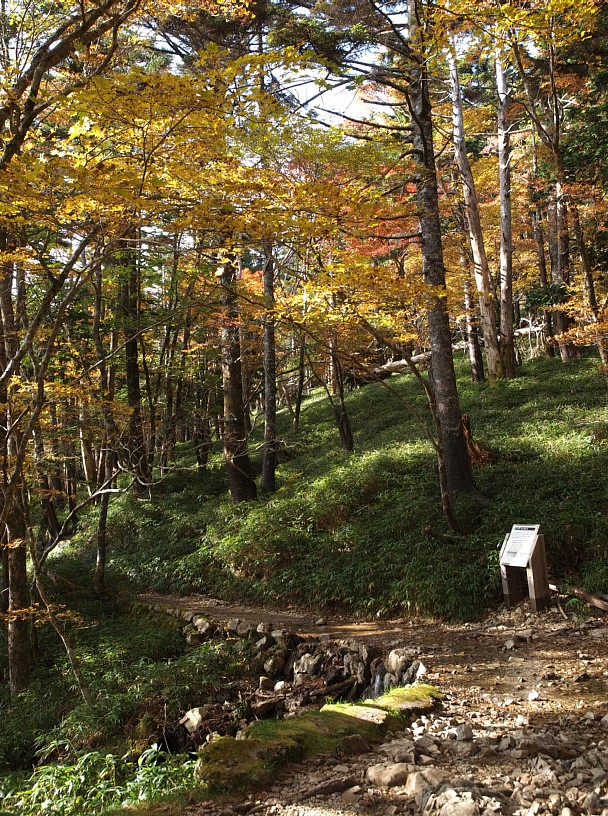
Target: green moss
(228, 764)
(363, 714)
(407, 698)
(392, 709)
(236, 765)
(317, 731)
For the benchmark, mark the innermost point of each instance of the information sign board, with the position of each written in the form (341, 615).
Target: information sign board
(518, 545)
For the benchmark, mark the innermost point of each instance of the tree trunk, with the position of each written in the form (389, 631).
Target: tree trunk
(562, 321)
(4, 579)
(102, 528)
(471, 206)
(297, 408)
(19, 647)
(472, 328)
(129, 308)
(454, 463)
(507, 338)
(590, 288)
(340, 411)
(542, 271)
(108, 455)
(240, 480)
(269, 462)
(14, 509)
(475, 355)
(202, 441)
(86, 450)
(48, 527)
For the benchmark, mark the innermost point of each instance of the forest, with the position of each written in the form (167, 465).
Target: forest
(298, 301)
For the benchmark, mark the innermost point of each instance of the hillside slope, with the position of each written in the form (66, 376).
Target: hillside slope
(365, 531)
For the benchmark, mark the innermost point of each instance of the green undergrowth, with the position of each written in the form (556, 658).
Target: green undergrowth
(361, 532)
(349, 530)
(120, 749)
(99, 782)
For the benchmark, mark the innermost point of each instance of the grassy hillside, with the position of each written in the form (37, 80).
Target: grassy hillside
(347, 530)
(341, 530)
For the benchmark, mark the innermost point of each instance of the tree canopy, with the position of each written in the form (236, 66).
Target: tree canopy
(186, 243)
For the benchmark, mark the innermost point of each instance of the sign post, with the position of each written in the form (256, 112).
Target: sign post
(523, 567)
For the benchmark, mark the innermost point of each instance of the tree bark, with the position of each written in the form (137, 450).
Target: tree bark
(108, 453)
(297, 408)
(542, 272)
(240, 481)
(590, 289)
(506, 343)
(453, 456)
(19, 646)
(471, 207)
(562, 321)
(99, 580)
(14, 512)
(86, 449)
(129, 309)
(269, 461)
(4, 578)
(475, 355)
(472, 328)
(340, 410)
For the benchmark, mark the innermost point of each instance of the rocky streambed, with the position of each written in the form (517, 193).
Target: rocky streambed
(522, 728)
(296, 671)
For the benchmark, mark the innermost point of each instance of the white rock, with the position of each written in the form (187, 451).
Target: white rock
(462, 808)
(232, 625)
(264, 628)
(193, 719)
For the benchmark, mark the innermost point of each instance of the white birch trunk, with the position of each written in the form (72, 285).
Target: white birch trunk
(471, 206)
(507, 339)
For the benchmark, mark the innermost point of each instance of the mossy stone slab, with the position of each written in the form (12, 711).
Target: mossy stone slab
(415, 699)
(230, 765)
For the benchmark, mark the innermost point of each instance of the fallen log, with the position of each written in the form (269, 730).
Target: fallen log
(592, 598)
(417, 359)
(334, 689)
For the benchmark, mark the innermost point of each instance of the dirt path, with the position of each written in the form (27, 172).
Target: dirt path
(521, 730)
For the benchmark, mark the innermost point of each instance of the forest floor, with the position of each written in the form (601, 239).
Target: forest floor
(522, 728)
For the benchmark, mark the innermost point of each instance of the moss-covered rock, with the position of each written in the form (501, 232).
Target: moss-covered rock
(405, 701)
(317, 732)
(230, 765)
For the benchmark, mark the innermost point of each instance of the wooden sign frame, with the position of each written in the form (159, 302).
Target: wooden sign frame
(523, 567)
